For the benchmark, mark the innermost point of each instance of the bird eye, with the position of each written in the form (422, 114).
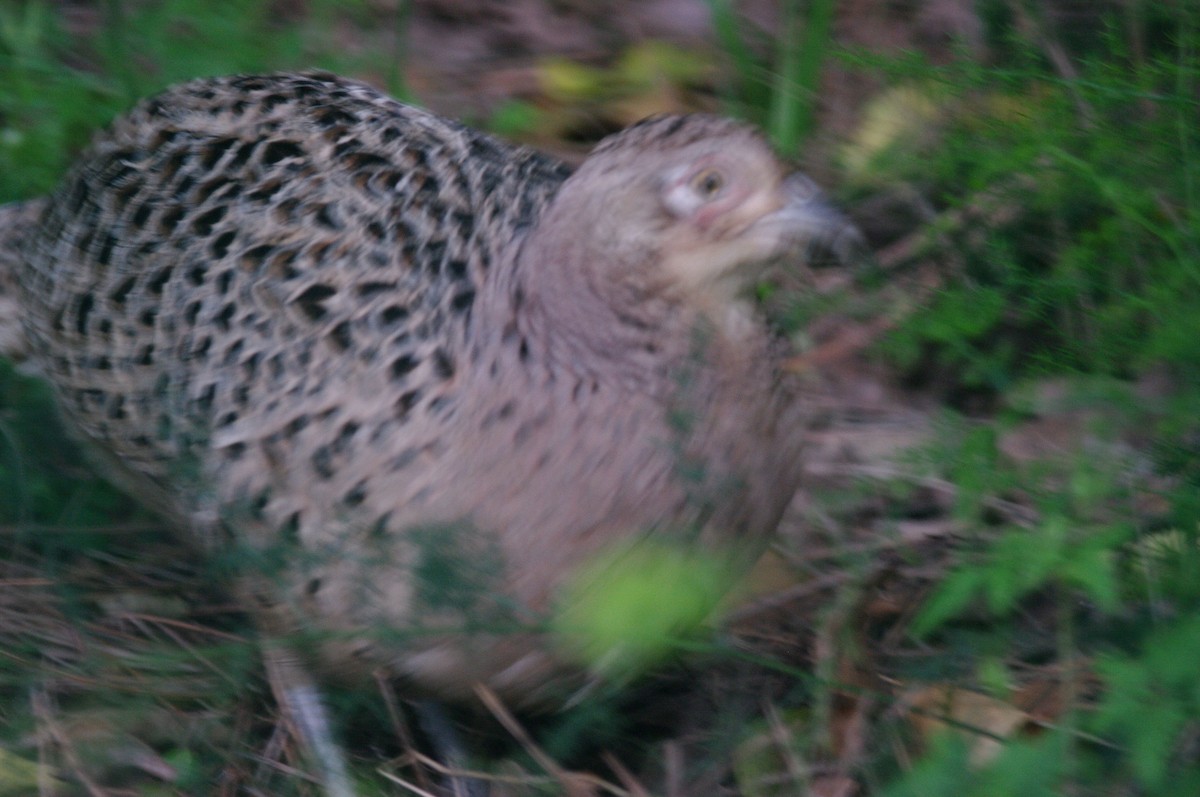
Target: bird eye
(708, 183)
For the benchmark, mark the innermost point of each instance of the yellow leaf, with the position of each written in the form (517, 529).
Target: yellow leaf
(895, 117)
(566, 80)
(651, 61)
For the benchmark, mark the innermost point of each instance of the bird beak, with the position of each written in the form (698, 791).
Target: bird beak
(825, 235)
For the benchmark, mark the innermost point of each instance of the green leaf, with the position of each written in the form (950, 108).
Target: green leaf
(949, 600)
(1093, 570)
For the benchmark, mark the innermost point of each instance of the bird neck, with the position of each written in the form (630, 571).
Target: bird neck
(562, 313)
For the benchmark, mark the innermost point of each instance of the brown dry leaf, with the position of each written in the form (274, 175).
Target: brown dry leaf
(833, 786)
(658, 98)
(985, 721)
(1046, 698)
(771, 574)
(849, 724)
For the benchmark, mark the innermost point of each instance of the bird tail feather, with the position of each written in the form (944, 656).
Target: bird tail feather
(16, 220)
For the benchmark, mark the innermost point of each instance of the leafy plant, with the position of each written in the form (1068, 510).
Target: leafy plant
(1094, 264)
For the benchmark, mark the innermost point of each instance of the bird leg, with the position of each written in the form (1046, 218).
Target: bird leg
(449, 747)
(299, 697)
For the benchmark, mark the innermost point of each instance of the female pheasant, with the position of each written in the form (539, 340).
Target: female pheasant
(417, 377)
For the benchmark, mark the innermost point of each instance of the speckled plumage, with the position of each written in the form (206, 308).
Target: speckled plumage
(431, 370)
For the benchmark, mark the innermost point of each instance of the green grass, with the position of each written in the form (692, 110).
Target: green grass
(778, 91)
(1063, 214)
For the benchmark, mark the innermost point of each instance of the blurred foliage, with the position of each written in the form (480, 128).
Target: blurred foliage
(1058, 179)
(775, 77)
(43, 479)
(1080, 261)
(1090, 260)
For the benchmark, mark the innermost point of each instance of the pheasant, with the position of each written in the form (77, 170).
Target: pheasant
(414, 376)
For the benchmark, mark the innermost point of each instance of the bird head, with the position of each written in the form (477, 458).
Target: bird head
(696, 206)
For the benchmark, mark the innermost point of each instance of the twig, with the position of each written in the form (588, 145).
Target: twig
(1020, 515)
(787, 752)
(400, 726)
(990, 206)
(514, 728)
(1032, 28)
(40, 705)
(784, 597)
(401, 782)
(471, 774)
(165, 625)
(570, 781)
(626, 777)
(301, 702)
(673, 767)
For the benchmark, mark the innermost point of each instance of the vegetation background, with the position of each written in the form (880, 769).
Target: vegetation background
(991, 583)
